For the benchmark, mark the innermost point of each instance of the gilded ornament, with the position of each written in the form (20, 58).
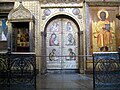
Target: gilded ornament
(47, 12)
(79, 16)
(43, 17)
(61, 9)
(76, 11)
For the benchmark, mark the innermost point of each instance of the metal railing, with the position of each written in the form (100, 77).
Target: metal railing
(17, 71)
(106, 70)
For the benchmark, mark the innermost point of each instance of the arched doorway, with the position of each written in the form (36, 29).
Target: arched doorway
(62, 43)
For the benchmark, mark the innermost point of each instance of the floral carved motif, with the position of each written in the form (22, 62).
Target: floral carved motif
(20, 13)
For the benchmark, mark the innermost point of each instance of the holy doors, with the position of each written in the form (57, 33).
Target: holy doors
(62, 44)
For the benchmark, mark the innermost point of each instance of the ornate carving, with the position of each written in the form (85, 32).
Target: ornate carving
(103, 3)
(76, 11)
(61, 9)
(80, 16)
(43, 17)
(106, 70)
(47, 12)
(20, 13)
(60, 1)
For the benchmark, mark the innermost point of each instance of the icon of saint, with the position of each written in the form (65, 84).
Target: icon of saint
(53, 40)
(104, 34)
(70, 40)
(54, 27)
(69, 26)
(52, 55)
(71, 55)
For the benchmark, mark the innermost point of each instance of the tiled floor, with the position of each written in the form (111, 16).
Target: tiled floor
(62, 81)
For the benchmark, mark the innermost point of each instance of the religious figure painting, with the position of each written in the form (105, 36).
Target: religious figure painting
(71, 54)
(53, 41)
(69, 27)
(103, 32)
(23, 37)
(70, 40)
(54, 27)
(53, 55)
(3, 30)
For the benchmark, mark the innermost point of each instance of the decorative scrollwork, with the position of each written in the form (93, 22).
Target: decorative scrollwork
(22, 70)
(3, 66)
(3, 69)
(17, 69)
(106, 70)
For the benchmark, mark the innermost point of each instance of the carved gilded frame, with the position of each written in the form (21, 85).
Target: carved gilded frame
(21, 14)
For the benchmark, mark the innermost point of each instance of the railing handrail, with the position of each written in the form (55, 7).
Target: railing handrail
(65, 56)
(18, 52)
(3, 52)
(104, 52)
(22, 52)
